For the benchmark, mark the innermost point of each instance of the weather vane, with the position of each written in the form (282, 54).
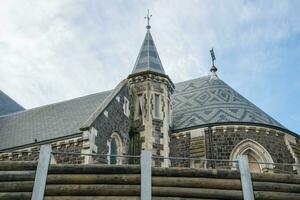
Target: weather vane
(213, 58)
(148, 17)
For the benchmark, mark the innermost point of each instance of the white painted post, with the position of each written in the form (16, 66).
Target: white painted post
(146, 175)
(41, 173)
(245, 177)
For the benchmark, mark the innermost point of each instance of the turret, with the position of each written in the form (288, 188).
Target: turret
(151, 91)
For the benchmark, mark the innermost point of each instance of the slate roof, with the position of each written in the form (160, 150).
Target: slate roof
(48, 122)
(8, 105)
(209, 100)
(148, 58)
(197, 102)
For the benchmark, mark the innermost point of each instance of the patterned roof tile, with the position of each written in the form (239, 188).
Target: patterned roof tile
(205, 101)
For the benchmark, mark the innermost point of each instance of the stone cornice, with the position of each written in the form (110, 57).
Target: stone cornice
(153, 76)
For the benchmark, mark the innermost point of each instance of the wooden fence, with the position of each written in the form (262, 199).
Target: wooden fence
(121, 182)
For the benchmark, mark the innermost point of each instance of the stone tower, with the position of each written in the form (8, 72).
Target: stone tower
(151, 108)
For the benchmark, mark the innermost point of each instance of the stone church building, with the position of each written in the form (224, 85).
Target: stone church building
(199, 118)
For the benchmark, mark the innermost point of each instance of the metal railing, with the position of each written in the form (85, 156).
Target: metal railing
(98, 158)
(146, 161)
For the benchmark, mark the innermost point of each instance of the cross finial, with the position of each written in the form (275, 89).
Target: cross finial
(148, 17)
(213, 58)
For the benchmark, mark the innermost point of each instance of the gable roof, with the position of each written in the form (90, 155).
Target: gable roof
(55, 120)
(209, 100)
(148, 58)
(8, 105)
(48, 122)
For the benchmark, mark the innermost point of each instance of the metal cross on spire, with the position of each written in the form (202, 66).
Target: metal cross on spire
(148, 17)
(213, 58)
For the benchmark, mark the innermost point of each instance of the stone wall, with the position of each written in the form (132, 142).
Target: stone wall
(73, 145)
(190, 144)
(219, 142)
(180, 147)
(112, 120)
(157, 145)
(293, 145)
(69, 146)
(224, 139)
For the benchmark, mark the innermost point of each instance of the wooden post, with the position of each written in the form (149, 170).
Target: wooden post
(146, 184)
(41, 173)
(245, 178)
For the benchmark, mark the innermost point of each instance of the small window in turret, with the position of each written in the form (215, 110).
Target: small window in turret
(156, 106)
(140, 105)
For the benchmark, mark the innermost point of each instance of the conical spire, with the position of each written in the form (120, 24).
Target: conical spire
(148, 58)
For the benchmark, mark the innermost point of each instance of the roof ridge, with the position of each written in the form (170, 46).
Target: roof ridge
(201, 77)
(103, 105)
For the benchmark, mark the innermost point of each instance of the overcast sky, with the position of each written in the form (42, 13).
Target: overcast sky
(60, 49)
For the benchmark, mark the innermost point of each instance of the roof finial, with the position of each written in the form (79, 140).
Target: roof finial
(213, 58)
(148, 16)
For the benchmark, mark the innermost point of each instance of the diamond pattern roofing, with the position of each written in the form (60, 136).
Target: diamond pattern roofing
(209, 100)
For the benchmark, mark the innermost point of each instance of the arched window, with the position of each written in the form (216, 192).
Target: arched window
(256, 154)
(115, 148)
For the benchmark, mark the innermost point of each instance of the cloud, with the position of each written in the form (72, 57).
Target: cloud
(61, 49)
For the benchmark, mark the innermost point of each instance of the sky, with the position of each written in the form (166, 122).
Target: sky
(56, 50)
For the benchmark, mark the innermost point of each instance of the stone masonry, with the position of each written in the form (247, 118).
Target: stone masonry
(224, 139)
(114, 121)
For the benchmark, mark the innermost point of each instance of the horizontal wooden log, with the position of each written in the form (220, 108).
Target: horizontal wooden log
(222, 184)
(92, 190)
(227, 174)
(16, 186)
(17, 175)
(135, 180)
(180, 198)
(276, 187)
(17, 165)
(187, 172)
(228, 184)
(272, 177)
(263, 195)
(116, 198)
(15, 195)
(93, 169)
(129, 179)
(196, 193)
(167, 181)
(91, 198)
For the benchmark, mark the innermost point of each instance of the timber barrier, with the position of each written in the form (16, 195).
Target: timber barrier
(19, 179)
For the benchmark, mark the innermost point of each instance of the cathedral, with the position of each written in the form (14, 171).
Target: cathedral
(198, 118)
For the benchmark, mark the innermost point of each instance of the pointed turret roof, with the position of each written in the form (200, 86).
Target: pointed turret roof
(8, 105)
(148, 58)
